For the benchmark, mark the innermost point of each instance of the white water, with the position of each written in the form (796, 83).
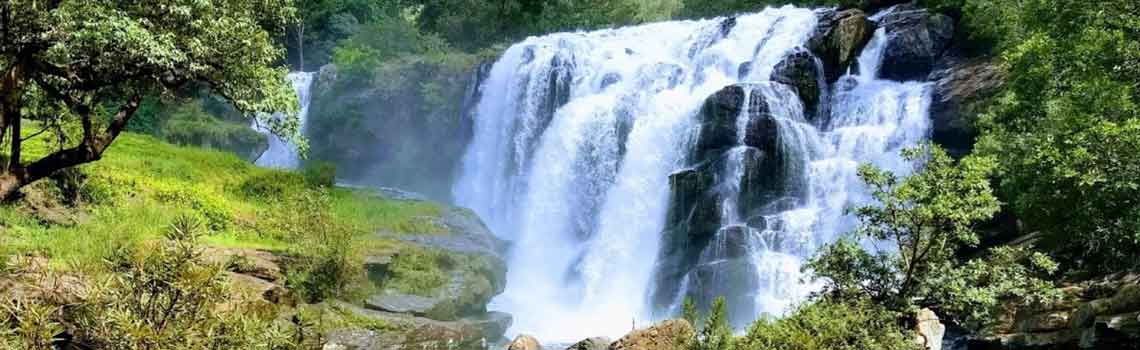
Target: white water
(281, 154)
(582, 192)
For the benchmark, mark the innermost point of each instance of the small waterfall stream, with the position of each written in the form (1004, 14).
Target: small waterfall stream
(581, 140)
(281, 154)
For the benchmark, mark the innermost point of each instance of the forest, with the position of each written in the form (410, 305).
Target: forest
(133, 216)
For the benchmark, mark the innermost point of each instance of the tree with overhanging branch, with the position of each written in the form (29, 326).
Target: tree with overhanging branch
(82, 67)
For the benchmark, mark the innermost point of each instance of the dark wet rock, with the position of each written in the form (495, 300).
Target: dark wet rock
(800, 71)
(918, 39)
(955, 89)
(595, 343)
(744, 70)
(610, 79)
(718, 122)
(726, 25)
(735, 279)
(839, 38)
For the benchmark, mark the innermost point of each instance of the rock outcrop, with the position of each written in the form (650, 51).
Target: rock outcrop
(918, 39)
(839, 38)
(524, 342)
(595, 343)
(665, 335)
(928, 330)
(416, 333)
(800, 71)
(956, 87)
(1098, 314)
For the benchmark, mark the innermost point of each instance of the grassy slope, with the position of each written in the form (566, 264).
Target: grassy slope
(142, 184)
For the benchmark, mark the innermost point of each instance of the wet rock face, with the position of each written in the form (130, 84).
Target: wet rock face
(416, 333)
(839, 38)
(918, 39)
(955, 88)
(596, 343)
(800, 71)
(754, 162)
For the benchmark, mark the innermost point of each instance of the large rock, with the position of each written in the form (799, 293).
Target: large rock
(595, 343)
(839, 38)
(665, 335)
(391, 301)
(417, 333)
(928, 330)
(955, 89)
(800, 71)
(918, 39)
(524, 342)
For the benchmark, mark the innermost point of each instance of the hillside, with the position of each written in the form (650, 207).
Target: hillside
(269, 231)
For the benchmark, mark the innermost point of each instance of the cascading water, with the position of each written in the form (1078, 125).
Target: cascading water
(583, 139)
(281, 154)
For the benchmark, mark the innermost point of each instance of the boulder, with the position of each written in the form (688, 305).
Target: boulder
(918, 39)
(665, 335)
(718, 123)
(524, 342)
(954, 89)
(411, 332)
(839, 38)
(394, 302)
(800, 71)
(595, 343)
(928, 330)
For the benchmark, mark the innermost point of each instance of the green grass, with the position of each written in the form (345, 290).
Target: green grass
(142, 184)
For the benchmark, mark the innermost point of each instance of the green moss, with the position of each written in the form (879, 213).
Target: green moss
(417, 271)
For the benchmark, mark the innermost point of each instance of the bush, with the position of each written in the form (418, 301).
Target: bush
(158, 296)
(319, 174)
(830, 325)
(326, 262)
(272, 185)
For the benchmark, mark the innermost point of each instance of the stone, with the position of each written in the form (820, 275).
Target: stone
(928, 330)
(411, 332)
(394, 302)
(665, 335)
(839, 39)
(800, 71)
(524, 342)
(918, 39)
(718, 123)
(595, 343)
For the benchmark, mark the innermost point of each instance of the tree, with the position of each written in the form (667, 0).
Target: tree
(926, 219)
(715, 334)
(86, 65)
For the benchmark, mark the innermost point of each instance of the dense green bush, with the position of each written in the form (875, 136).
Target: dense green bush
(830, 325)
(1066, 128)
(319, 174)
(157, 296)
(326, 261)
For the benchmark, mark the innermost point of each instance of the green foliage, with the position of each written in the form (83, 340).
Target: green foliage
(716, 333)
(417, 272)
(165, 297)
(977, 293)
(326, 259)
(1065, 128)
(926, 219)
(89, 64)
(319, 174)
(830, 325)
(689, 311)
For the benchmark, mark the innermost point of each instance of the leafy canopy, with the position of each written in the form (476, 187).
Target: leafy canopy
(85, 65)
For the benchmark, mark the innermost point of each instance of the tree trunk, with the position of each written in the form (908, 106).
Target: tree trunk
(90, 149)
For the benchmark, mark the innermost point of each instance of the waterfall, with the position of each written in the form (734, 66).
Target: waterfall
(581, 139)
(281, 154)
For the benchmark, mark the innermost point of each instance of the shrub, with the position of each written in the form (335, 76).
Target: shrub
(829, 325)
(271, 185)
(319, 174)
(326, 261)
